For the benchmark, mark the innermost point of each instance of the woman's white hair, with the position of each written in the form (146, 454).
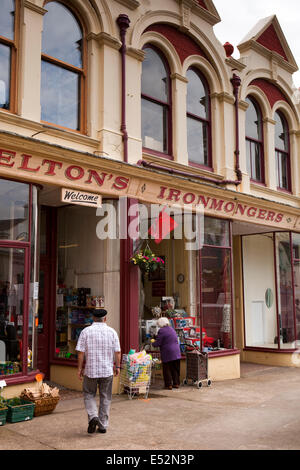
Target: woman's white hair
(163, 321)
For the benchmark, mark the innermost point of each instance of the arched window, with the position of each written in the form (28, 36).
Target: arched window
(254, 141)
(156, 103)
(8, 52)
(282, 152)
(198, 120)
(63, 74)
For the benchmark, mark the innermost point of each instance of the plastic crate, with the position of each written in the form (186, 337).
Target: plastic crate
(3, 413)
(19, 410)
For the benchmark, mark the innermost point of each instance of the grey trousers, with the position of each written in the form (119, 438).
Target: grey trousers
(89, 397)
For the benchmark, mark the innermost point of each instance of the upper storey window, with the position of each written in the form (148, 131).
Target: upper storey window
(62, 82)
(198, 120)
(254, 141)
(7, 53)
(156, 107)
(282, 152)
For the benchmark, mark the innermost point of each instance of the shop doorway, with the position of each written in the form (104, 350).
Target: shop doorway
(46, 285)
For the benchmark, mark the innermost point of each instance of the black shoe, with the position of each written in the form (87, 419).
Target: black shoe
(92, 425)
(102, 430)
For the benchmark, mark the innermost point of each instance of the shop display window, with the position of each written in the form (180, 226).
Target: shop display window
(216, 297)
(14, 211)
(12, 261)
(191, 288)
(80, 276)
(285, 291)
(18, 204)
(271, 294)
(296, 263)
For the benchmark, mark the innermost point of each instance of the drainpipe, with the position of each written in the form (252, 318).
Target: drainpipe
(236, 82)
(123, 22)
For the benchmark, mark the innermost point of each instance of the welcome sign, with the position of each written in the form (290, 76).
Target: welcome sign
(80, 198)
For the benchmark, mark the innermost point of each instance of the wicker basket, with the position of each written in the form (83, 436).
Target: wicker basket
(44, 405)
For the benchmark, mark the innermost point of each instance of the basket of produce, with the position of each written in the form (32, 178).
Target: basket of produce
(19, 410)
(44, 397)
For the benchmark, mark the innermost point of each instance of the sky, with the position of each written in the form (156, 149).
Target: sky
(239, 16)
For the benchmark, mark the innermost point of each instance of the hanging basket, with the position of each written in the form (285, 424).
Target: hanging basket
(146, 260)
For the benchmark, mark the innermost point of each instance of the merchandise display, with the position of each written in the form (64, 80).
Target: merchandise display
(74, 312)
(135, 374)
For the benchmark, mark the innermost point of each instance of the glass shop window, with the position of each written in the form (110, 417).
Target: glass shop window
(296, 263)
(17, 284)
(14, 210)
(285, 291)
(12, 262)
(216, 285)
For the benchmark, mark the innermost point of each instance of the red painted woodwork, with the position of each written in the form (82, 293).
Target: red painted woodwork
(271, 91)
(184, 45)
(129, 289)
(269, 39)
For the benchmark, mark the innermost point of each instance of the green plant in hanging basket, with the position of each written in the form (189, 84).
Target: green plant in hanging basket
(146, 260)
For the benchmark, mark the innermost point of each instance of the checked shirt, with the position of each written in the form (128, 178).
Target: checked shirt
(99, 342)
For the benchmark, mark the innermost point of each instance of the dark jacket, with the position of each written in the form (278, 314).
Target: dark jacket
(167, 341)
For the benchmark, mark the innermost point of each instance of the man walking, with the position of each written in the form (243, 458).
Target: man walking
(99, 345)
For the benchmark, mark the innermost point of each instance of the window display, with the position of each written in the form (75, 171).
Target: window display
(196, 292)
(272, 318)
(18, 218)
(11, 309)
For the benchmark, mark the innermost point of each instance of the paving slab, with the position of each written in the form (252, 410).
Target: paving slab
(260, 411)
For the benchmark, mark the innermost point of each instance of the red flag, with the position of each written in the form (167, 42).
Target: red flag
(162, 226)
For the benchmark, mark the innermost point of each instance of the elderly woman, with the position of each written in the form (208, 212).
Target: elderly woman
(167, 341)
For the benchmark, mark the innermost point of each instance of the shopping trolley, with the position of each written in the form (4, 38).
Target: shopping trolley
(134, 378)
(197, 368)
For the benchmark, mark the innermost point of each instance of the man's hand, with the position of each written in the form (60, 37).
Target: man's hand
(80, 365)
(117, 370)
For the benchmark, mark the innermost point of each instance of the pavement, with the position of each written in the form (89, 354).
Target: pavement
(259, 411)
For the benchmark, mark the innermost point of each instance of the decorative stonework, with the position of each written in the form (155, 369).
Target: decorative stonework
(131, 4)
(32, 6)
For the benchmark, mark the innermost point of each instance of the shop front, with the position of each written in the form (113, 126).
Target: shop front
(228, 280)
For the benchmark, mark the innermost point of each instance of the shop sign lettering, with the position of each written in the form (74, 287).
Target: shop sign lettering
(58, 172)
(80, 198)
(219, 206)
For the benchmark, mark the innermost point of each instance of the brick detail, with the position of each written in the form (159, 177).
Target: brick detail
(184, 45)
(270, 41)
(271, 91)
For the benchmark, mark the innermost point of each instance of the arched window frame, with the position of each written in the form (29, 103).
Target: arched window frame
(256, 144)
(13, 44)
(82, 72)
(167, 105)
(206, 122)
(279, 154)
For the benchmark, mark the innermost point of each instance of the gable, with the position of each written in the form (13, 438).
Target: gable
(270, 40)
